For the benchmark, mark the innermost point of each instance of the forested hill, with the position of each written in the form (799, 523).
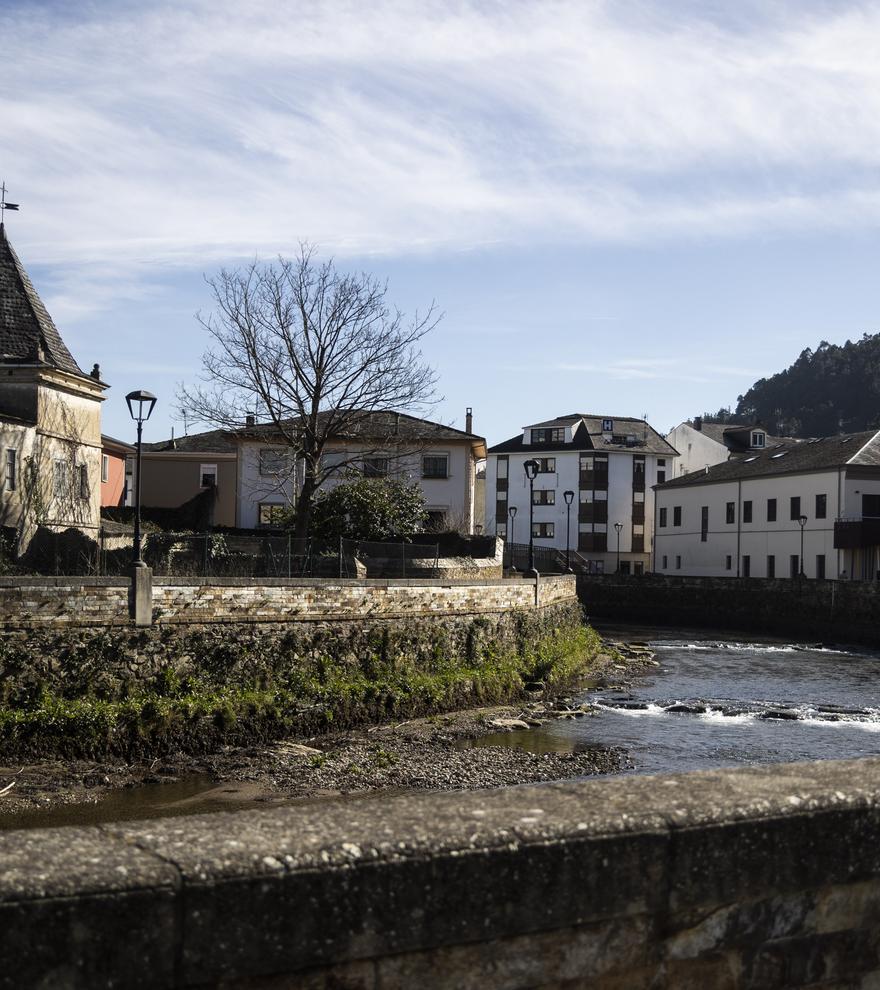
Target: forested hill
(834, 389)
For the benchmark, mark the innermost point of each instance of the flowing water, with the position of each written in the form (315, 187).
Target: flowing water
(715, 702)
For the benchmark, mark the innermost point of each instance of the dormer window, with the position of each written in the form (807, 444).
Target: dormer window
(759, 438)
(607, 425)
(545, 435)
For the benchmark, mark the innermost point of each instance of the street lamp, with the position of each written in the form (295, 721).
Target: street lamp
(478, 529)
(531, 468)
(569, 498)
(140, 405)
(618, 527)
(512, 513)
(802, 521)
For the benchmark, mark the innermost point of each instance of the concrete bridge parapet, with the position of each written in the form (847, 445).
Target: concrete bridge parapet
(756, 877)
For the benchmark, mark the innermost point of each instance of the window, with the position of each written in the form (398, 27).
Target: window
(11, 472)
(639, 471)
(704, 523)
(662, 518)
(758, 439)
(665, 562)
(59, 479)
(771, 566)
(870, 506)
(548, 435)
(501, 529)
(375, 467)
(435, 466)
(624, 567)
(638, 568)
(436, 520)
(501, 468)
(543, 496)
(208, 475)
(501, 494)
(543, 530)
(105, 468)
(273, 460)
(730, 512)
(821, 506)
(661, 462)
(820, 567)
(676, 515)
(607, 425)
(747, 565)
(795, 507)
(747, 512)
(728, 563)
(678, 562)
(546, 465)
(83, 477)
(661, 477)
(794, 565)
(771, 510)
(270, 514)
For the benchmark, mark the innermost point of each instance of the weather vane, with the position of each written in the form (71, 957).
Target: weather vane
(4, 206)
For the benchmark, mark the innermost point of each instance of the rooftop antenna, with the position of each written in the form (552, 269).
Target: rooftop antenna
(4, 205)
(185, 430)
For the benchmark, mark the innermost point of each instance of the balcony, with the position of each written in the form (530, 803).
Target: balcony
(851, 534)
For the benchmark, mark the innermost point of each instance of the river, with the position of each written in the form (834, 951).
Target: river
(716, 702)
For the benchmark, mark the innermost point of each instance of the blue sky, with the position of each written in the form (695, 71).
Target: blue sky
(620, 208)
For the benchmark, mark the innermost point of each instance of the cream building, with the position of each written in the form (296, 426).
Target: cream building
(742, 518)
(50, 418)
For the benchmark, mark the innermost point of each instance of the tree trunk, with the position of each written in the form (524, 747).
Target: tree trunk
(304, 508)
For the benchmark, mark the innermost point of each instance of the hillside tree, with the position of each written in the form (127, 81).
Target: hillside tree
(310, 352)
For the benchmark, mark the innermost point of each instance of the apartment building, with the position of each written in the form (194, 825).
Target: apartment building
(609, 466)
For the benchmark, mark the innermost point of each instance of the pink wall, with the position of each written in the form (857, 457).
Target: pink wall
(112, 488)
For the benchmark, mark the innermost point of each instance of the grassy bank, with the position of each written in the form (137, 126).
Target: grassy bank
(221, 697)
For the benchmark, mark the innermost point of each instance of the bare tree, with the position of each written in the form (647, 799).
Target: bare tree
(313, 354)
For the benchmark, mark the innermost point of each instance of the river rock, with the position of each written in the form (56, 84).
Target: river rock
(509, 723)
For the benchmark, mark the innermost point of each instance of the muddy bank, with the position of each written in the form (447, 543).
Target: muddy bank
(429, 753)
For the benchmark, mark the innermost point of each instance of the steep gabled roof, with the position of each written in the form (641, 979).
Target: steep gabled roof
(27, 333)
(791, 457)
(212, 442)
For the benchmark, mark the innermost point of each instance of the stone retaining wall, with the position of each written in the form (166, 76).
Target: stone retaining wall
(839, 611)
(759, 877)
(89, 602)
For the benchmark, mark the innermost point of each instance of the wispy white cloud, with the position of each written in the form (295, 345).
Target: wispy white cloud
(193, 132)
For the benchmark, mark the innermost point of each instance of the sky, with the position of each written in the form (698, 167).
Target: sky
(619, 208)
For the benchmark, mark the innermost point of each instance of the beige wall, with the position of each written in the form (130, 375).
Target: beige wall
(170, 478)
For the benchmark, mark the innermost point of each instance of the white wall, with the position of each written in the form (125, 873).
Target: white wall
(757, 539)
(695, 450)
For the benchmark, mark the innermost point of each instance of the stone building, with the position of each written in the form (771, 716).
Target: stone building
(50, 418)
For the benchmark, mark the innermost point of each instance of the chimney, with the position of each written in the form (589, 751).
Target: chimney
(698, 423)
(396, 423)
(469, 420)
(250, 419)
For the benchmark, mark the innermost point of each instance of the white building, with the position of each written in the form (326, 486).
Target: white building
(742, 518)
(440, 458)
(700, 445)
(609, 464)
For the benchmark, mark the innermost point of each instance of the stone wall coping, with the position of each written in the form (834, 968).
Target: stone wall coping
(245, 582)
(63, 581)
(233, 896)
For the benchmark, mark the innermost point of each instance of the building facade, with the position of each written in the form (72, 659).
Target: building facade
(441, 459)
(811, 506)
(700, 445)
(50, 418)
(609, 464)
(117, 472)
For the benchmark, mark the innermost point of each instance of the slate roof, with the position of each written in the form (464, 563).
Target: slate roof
(588, 436)
(790, 457)
(736, 436)
(211, 442)
(27, 333)
(370, 427)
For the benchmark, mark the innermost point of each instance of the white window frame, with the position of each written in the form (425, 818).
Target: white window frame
(271, 506)
(10, 481)
(207, 469)
(105, 468)
(759, 439)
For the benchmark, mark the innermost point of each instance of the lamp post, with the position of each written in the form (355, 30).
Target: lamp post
(802, 521)
(618, 527)
(140, 405)
(478, 529)
(511, 511)
(531, 468)
(569, 498)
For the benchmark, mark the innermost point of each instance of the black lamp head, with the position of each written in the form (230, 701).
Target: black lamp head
(140, 405)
